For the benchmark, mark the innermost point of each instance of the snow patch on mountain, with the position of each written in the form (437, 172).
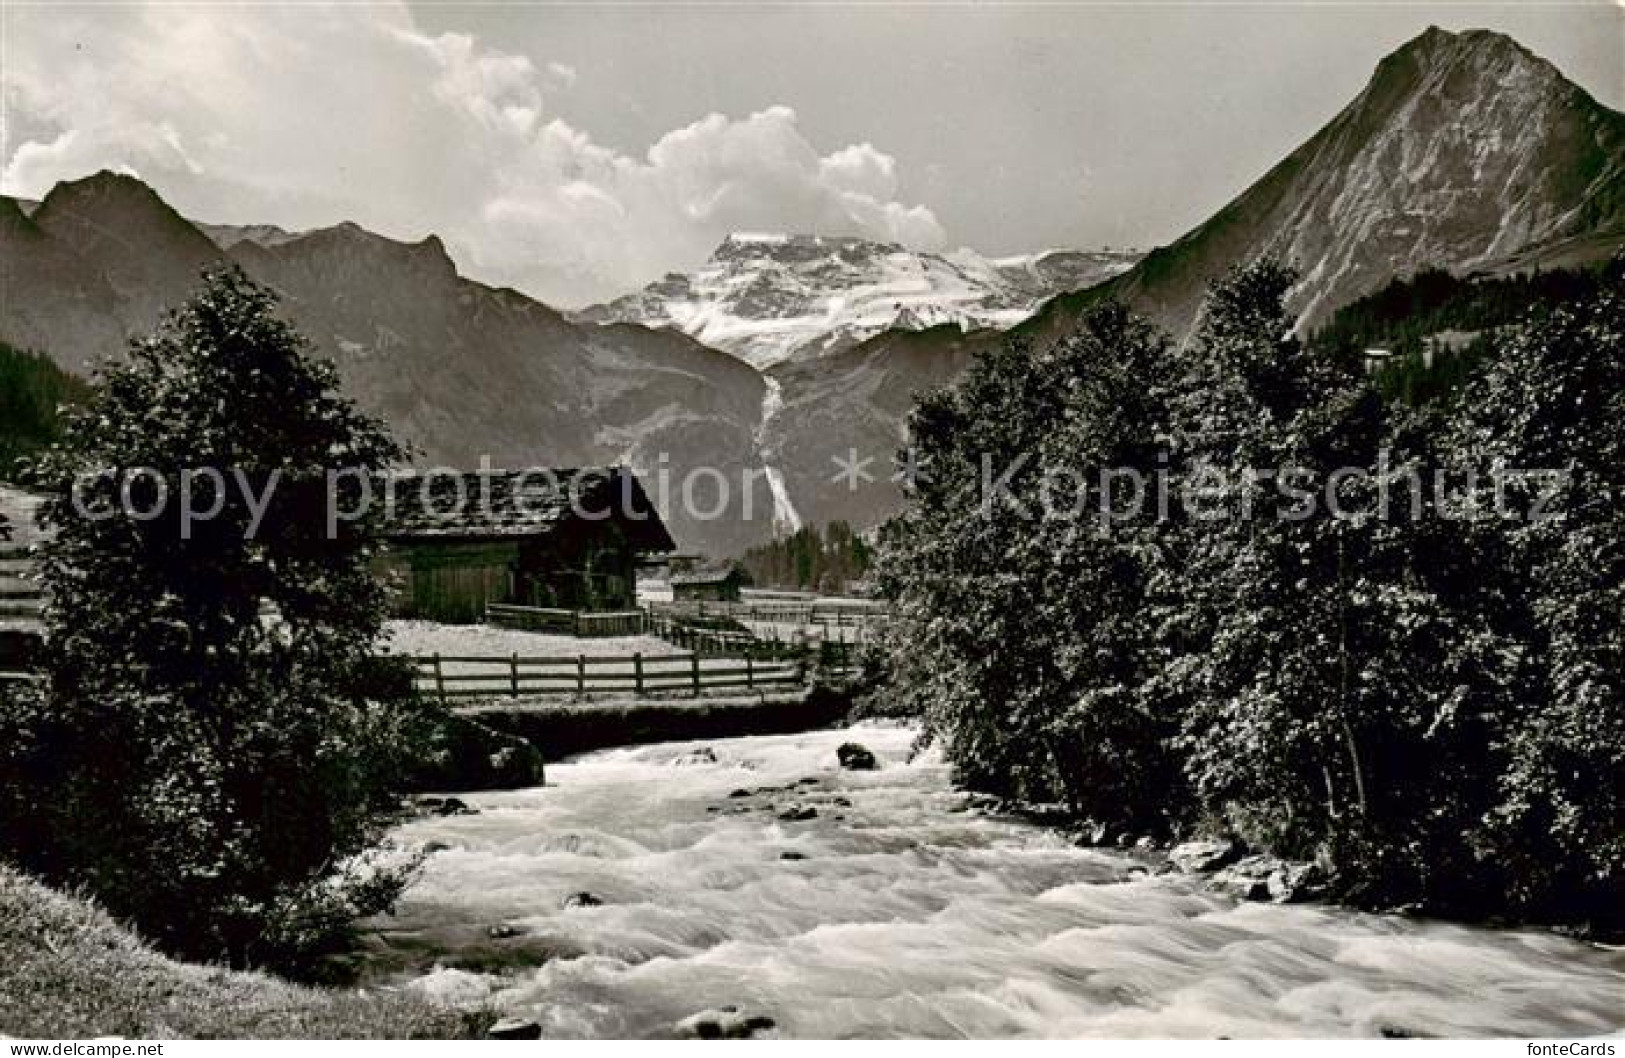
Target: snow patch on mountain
(768, 298)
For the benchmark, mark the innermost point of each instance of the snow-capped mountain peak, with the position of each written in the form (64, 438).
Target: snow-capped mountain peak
(768, 297)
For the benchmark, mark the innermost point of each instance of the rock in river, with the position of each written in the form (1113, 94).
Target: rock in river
(1200, 857)
(514, 1029)
(723, 1023)
(854, 757)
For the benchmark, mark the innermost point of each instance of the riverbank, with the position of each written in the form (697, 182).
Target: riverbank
(68, 971)
(564, 728)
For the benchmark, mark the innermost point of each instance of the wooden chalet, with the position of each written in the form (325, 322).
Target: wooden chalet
(709, 585)
(566, 539)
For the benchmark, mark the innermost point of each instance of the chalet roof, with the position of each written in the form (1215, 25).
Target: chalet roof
(502, 504)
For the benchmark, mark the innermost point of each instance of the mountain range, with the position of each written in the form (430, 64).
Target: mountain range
(769, 298)
(788, 353)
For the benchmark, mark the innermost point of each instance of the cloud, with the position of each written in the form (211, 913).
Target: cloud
(306, 116)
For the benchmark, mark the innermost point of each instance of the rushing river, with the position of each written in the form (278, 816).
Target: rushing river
(900, 912)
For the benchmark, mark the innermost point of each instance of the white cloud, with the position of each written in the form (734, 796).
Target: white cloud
(305, 116)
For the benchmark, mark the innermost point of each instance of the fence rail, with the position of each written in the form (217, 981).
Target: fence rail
(831, 614)
(582, 624)
(449, 676)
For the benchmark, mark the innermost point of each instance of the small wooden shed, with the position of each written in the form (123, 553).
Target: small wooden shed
(709, 585)
(570, 539)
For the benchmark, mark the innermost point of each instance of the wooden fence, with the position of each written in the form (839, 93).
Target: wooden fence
(579, 623)
(451, 677)
(829, 614)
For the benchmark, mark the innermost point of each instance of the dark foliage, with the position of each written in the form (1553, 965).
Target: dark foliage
(1352, 656)
(1440, 326)
(831, 560)
(32, 389)
(216, 750)
(1022, 640)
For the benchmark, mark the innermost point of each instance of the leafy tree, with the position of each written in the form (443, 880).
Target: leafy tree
(1054, 711)
(1340, 677)
(1334, 633)
(1554, 398)
(215, 755)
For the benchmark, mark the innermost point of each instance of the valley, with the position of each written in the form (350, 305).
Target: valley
(787, 353)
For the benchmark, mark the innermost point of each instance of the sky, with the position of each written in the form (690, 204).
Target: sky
(578, 150)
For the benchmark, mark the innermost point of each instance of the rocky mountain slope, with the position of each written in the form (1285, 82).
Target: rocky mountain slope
(1464, 152)
(461, 370)
(772, 298)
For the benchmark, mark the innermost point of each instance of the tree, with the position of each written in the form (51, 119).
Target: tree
(1553, 398)
(1340, 671)
(1349, 632)
(215, 756)
(1018, 632)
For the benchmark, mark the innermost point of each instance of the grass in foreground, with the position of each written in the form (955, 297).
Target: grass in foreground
(67, 970)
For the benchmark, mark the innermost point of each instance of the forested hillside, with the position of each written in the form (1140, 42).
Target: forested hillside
(830, 560)
(1438, 325)
(31, 390)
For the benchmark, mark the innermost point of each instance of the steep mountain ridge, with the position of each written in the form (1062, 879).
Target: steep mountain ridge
(1465, 151)
(461, 370)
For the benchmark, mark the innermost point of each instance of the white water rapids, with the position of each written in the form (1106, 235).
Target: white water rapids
(913, 916)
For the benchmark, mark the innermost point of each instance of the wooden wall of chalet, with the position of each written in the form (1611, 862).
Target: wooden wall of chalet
(581, 565)
(449, 581)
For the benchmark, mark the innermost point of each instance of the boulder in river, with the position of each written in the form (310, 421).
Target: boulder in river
(1265, 877)
(1291, 883)
(854, 757)
(703, 755)
(582, 899)
(446, 806)
(463, 754)
(514, 1029)
(1202, 857)
(723, 1023)
(798, 813)
(1090, 834)
(1244, 881)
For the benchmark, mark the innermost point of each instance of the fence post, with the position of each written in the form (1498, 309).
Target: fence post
(750, 670)
(439, 678)
(514, 661)
(581, 674)
(637, 672)
(694, 667)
